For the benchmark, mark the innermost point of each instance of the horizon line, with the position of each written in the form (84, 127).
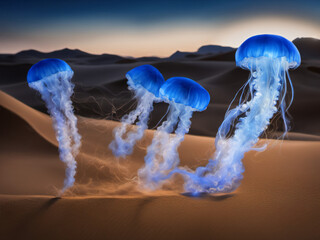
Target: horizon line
(127, 56)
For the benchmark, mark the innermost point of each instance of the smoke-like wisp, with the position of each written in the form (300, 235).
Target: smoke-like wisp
(56, 91)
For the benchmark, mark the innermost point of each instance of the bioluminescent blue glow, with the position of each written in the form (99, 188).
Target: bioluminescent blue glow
(184, 97)
(145, 82)
(268, 58)
(52, 78)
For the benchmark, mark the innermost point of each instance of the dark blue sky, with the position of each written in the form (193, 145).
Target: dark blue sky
(24, 19)
(143, 11)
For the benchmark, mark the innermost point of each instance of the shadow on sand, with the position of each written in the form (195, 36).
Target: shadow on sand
(23, 226)
(212, 197)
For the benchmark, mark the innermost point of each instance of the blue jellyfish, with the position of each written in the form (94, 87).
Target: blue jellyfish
(268, 58)
(184, 97)
(52, 78)
(145, 81)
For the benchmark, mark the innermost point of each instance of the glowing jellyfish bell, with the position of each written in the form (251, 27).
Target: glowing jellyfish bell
(145, 82)
(267, 46)
(268, 58)
(49, 68)
(52, 78)
(184, 97)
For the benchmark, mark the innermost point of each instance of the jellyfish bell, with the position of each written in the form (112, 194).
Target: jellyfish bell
(268, 57)
(47, 68)
(184, 97)
(145, 77)
(268, 46)
(185, 91)
(52, 78)
(145, 82)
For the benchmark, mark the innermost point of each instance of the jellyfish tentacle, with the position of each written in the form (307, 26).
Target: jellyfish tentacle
(63, 90)
(146, 104)
(184, 96)
(283, 106)
(50, 95)
(68, 112)
(291, 89)
(170, 156)
(224, 173)
(230, 119)
(261, 109)
(122, 146)
(150, 173)
(232, 114)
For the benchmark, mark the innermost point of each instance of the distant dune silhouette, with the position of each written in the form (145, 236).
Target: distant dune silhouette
(101, 89)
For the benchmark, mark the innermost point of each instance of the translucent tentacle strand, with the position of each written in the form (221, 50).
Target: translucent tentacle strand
(155, 150)
(224, 172)
(56, 91)
(123, 145)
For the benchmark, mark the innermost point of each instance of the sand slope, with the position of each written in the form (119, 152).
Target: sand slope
(279, 197)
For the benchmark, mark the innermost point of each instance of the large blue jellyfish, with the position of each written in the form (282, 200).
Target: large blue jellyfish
(145, 81)
(184, 97)
(268, 58)
(52, 78)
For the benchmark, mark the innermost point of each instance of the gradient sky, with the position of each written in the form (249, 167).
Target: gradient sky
(146, 28)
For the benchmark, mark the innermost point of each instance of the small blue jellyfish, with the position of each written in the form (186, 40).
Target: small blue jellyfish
(52, 78)
(184, 97)
(145, 81)
(268, 58)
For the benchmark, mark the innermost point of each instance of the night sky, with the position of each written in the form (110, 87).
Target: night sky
(140, 28)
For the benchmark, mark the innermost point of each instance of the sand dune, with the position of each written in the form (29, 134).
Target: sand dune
(278, 198)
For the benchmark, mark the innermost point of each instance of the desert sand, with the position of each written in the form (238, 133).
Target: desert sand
(278, 198)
